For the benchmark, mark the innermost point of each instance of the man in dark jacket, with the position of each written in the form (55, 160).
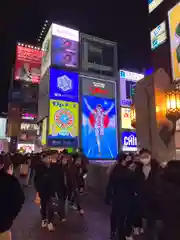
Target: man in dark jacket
(120, 193)
(11, 200)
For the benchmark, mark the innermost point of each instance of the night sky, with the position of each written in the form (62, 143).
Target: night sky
(125, 22)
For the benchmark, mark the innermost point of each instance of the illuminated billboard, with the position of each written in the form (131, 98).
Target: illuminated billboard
(174, 29)
(126, 118)
(3, 122)
(44, 131)
(46, 53)
(153, 4)
(65, 42)
(63, 85)
(158, 35)
(98, 87)
(98, 56)
(128, 82)
(129, 141)
(28, 64)
(99, 128)
(63, 124)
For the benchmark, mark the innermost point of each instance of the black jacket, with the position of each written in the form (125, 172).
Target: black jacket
(11, 200)
(58, 179)
(42, 180)
(120, 188)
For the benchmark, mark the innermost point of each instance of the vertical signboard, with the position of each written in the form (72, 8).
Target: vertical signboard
(99, 119)
(158, 35)
(153, 4)
(28, 64)
(65, 47)
(63, 124)
(98, 56)
(46, 52)
(174, 29)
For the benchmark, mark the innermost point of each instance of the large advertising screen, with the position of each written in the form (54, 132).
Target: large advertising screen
(99, 128)
(63, 124)
(98, 55)
(126, 118)
(158, 35)
(129, 141)
(128, 82)
(174, 29)
(28, 64)
(63, 85)
(65, 45)
(46, 53)
(153, 4)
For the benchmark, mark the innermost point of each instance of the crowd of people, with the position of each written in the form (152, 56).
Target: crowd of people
(144, 195)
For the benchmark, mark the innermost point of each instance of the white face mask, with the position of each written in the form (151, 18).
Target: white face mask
(145, 161)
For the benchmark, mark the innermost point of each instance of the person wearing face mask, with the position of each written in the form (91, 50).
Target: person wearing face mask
(147, 188)
(10, 188)
(42, 183)
(120, 193)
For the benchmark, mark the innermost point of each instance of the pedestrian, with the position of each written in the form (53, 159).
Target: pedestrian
(42, 182)
(11, 200)
(119, 193)
(148, 188)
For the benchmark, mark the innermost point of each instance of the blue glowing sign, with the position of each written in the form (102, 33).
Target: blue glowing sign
(129, 141)
(63, 85)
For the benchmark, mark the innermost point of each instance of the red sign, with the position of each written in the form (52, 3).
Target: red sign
(28, 64)
(98, 90)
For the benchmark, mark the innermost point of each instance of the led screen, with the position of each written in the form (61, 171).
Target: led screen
(129, 141)
(158, 35)
(99, 129)
(153, 4)
(63, 123)
(174, 29)
(63, 85)
(44, 131)
(98, 55)
(64, 52)
(27, 148)
(28, 64)
(126, 118)
(3, 122)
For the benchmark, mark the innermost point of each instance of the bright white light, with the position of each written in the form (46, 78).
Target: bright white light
(131, 75)
(64, 32)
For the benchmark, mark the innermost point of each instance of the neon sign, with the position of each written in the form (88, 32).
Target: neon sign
(97, 90)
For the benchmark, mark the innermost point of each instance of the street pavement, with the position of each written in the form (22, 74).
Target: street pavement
(93, 226)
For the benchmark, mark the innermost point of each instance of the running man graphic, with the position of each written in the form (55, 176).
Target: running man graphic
(99, 115)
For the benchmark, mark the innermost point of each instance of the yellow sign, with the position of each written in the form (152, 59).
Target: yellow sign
(174, 25)
(44, 131)
(63, 119)
(126, 118)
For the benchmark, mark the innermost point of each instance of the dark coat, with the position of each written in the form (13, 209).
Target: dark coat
(11, 200)
(120, 188)
(148, 191)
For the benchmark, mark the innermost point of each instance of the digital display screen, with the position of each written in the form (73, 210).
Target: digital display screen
(98, 56)
(153, 4)
(44, 131)
(128, 82)
(64, 52)
(158, 35)
(99, 128)
(28, 64)
(126, 118)
(63, 85)
(174, 30)
(129, 141)
(63, 124)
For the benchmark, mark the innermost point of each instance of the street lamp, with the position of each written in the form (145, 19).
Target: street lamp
(173, 104)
